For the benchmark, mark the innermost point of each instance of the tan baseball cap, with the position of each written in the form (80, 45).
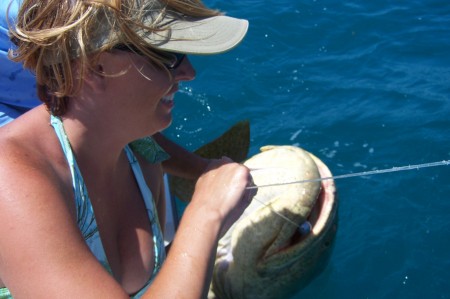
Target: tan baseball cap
(200, 36)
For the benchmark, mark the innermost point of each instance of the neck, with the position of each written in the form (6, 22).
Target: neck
(96, 125)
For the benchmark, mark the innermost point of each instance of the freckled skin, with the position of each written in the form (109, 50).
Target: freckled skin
(260, 256)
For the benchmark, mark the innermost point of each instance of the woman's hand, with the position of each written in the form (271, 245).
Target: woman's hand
(222, 189)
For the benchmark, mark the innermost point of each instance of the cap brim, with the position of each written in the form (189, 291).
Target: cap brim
(201, 36)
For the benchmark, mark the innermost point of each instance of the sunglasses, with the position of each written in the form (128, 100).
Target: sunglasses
(175, 59)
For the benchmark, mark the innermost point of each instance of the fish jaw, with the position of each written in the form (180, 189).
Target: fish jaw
(271, 219)
(262, 255)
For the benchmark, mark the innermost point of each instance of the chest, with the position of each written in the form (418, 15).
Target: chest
(125, 229)
(119, 221)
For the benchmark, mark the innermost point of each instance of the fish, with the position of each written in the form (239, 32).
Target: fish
(264, 254)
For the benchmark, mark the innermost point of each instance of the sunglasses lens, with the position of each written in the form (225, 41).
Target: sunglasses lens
(176, 61)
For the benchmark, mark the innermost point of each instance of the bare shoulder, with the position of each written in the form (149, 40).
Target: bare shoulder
(31, 193)
(30, 158)
(40, 240)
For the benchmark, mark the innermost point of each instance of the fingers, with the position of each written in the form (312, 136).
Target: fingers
(215, 163)
(223, 189)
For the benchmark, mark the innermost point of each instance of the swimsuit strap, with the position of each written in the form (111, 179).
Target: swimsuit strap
(85, 213)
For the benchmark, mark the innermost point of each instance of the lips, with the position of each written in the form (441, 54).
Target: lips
(168, 101)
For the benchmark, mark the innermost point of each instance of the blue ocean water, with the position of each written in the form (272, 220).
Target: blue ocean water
(364, 85)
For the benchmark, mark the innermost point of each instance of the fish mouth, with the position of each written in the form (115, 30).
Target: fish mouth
(323, 215)
(264, 252)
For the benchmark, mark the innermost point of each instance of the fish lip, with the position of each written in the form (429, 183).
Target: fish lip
(322, 216)
(327, 201)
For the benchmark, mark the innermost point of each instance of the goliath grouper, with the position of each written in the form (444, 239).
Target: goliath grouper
(265, 254)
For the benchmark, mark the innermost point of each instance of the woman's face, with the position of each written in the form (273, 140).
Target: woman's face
(143, 91)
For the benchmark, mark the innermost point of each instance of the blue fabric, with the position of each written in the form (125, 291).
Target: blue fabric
(9, 113)
(17, 85)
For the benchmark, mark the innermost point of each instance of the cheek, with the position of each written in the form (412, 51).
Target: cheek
(136, 78)
(158, 81)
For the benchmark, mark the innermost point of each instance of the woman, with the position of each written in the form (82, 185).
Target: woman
(76, 216)
(18, 95)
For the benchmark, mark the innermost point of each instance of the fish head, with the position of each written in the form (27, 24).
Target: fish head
(265, 254)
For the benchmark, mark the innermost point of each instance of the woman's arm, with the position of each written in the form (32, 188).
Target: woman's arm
(218, 201)
(182, 163)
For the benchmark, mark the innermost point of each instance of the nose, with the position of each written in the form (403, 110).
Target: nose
(185, 71)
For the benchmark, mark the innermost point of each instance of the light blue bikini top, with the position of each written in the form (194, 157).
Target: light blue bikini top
(85, 213)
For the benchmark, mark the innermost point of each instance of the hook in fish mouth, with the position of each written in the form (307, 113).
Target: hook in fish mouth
(318, 220)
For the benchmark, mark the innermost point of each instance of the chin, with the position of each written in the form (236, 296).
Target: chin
(165, 123)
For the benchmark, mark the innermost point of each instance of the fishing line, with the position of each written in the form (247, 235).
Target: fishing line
(306, 227)
(281, 215)
(357, 174)
(303, 228)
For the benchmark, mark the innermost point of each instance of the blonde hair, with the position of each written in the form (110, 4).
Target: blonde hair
(50, 34)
